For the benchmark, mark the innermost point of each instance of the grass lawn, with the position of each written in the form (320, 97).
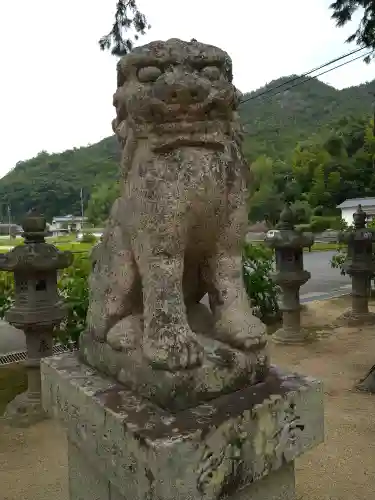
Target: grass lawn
(72, 246)
(323, 247)
(13, 381)
(317, 247)
(77, 247)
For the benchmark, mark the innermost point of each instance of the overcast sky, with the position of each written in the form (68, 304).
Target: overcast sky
(56, 85)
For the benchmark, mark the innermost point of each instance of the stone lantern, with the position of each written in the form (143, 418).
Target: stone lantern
(37, 308)
(359, 265)
(290, 275)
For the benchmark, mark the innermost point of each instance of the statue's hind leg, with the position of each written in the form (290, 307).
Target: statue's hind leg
(114, 283)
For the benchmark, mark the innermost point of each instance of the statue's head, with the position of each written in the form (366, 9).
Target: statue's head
(175, 93)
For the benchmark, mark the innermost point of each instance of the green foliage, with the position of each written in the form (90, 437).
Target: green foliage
(52, 182)
(88, 238)
(332, 162)
(101, 201)
(127, 17)
(257, 267)
(364, 36)
(269, 179)
(6, 292)
(302, 212)
(73, 287)
(276, 122)
(321, 223)
(338, 259)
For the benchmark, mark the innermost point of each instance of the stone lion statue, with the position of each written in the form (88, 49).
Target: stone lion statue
(175, 233)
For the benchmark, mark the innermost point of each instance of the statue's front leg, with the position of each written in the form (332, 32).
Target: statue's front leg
(168, 342)
(235, 323)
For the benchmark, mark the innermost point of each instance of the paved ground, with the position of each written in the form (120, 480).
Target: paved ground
(325, 281)
(33, 462)
(10, 339)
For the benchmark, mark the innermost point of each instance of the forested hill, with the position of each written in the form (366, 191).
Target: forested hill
(274, 123)
(277, 120)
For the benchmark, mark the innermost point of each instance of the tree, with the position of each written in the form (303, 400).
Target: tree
(269, 179)
(127, 17)
(343, 11)
(101, 201)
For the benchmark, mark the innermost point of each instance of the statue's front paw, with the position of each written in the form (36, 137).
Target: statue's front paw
(241, 330)
(173, 349)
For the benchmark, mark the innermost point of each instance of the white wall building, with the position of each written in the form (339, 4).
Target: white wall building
(348, 207)
(66, 223)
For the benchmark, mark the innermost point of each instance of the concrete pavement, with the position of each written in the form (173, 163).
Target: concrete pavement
(11, 339)
(325, 281)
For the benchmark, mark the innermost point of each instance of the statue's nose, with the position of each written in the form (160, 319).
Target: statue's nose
(180, 93)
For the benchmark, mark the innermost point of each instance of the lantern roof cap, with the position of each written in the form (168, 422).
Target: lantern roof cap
(35, 257)
(35, 254)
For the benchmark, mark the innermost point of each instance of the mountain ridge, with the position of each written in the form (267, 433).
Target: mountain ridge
(274, 123)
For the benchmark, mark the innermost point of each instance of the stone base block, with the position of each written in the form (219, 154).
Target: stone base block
(292, 337)
(240, 445)
(86, 483)
(351, 318)
(224, 369)
(24, 410)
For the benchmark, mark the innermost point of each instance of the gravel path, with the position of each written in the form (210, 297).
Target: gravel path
(33, 462)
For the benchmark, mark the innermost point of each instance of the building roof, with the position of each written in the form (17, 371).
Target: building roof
(354, 202)
(68, 218)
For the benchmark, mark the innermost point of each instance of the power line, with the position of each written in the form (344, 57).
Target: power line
(291, 80)
(309, 79)
(319, 74)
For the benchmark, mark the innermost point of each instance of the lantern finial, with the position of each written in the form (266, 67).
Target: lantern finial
(34, 226)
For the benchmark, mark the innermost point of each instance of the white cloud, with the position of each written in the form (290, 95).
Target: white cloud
(56, 86)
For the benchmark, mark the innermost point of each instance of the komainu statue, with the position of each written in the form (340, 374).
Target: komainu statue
(175, 233)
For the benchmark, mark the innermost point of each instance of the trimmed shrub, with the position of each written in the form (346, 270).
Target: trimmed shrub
(258, 263)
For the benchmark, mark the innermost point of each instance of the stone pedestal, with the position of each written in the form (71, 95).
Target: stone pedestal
(240, 445)
(26, 408)
(290, 276)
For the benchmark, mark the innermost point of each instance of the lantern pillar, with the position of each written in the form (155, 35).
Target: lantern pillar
(290, 275)
(37, 309)
(359, 265)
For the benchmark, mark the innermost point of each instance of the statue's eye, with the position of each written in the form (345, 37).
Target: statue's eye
(211, 72)
(148, 74)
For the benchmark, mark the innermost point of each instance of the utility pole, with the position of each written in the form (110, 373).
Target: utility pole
(9, 222)
(373, 131)
(82, 210)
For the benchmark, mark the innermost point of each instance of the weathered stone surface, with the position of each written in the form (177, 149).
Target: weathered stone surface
(24, 410)
(224, 369)
(37, 308)
(207, 452)
(176, 231)
(359, 265)
(290, 276)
